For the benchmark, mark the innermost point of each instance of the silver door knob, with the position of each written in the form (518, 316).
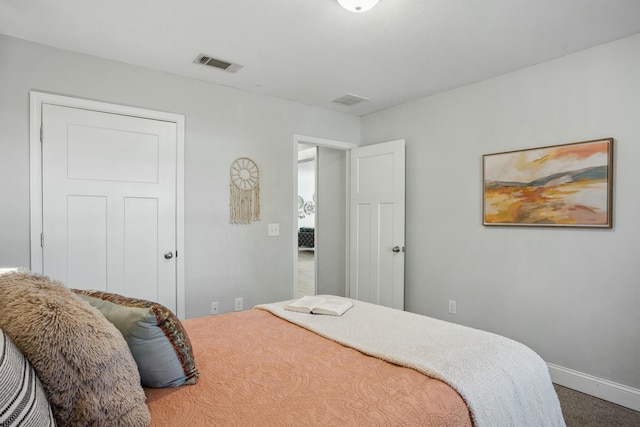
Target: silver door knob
(168, 255)
(396, 249)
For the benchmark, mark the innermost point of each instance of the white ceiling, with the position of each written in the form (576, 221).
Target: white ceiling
(313, 51)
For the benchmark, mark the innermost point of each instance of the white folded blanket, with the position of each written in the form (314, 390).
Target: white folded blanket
(503, 382)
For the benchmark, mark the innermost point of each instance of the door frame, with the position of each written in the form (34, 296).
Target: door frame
(317, 142)
(36, 100)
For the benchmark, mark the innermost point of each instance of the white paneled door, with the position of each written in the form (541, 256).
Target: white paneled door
(109, 202)
(377, 224)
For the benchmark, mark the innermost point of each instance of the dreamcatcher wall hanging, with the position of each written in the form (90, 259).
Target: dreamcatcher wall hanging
(244, 204)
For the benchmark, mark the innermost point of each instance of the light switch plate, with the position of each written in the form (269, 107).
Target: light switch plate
(274, 229)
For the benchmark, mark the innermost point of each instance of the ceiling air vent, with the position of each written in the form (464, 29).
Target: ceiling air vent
(217, 63)
(350, 99)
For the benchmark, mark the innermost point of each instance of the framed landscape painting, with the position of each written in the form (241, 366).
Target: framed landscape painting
(568, 185)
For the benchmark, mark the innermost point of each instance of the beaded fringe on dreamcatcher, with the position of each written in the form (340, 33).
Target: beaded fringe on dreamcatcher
(244, 203)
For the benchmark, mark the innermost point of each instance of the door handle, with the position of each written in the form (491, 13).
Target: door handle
(168, 255)
(396, 249)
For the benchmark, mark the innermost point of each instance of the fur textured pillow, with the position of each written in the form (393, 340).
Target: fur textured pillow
(82, 360)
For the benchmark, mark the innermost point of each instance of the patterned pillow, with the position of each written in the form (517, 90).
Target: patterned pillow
(22, 399)
(84, 364)
(156, 337)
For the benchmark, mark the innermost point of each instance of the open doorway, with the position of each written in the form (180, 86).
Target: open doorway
(326, 262)
(306, 220)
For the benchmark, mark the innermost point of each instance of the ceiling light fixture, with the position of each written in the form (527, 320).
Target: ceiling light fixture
(357, 5)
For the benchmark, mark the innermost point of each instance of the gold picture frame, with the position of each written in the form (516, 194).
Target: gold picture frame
(568, 185)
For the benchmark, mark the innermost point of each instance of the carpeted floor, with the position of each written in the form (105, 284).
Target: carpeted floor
(582, 410)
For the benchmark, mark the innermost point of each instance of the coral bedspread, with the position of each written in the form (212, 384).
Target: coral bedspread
(257, 369)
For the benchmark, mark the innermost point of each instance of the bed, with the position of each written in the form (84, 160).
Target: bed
(269, 366)
(81, 357)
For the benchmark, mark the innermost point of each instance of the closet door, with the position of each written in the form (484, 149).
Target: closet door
(109, 202)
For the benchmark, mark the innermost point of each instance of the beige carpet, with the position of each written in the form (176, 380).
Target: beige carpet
(582, 410)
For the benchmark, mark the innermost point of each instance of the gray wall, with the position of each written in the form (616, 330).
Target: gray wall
(332, 217)
(570, 294)
(222, 261)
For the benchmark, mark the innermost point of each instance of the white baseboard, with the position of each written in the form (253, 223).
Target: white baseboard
(598, 387)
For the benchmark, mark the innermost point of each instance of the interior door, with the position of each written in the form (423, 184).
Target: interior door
(377, 224)
(109, 202)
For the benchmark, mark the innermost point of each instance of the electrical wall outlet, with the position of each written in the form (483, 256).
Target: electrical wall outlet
(215, 307)
(452, 306)
(238, 303)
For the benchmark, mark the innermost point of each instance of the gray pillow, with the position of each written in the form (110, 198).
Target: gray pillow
(156, 337)
(22, 399)
(82, 360)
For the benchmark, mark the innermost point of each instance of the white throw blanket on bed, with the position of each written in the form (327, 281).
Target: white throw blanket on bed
(503, 382)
